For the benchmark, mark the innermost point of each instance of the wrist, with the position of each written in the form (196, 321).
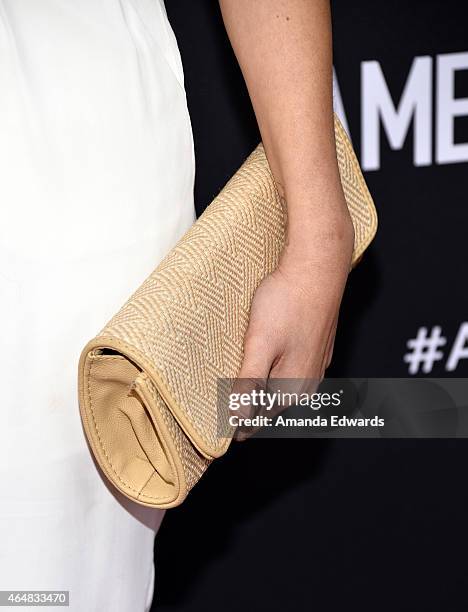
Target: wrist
(328, 229)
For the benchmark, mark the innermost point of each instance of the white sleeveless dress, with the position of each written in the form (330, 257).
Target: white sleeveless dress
(96, 184)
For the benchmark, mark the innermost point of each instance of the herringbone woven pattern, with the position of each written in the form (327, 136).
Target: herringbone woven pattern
(185, 325)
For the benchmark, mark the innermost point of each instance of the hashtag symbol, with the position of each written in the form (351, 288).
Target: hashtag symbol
(424, 350)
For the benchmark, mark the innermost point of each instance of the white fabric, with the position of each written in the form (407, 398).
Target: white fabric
(96, 184)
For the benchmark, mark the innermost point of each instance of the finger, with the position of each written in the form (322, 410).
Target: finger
(329, 348)
(251, 380)
(257, 361)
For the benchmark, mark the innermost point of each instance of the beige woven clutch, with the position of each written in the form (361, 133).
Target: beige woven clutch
(148, 383)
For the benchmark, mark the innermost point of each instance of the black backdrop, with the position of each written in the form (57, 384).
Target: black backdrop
(328, 525)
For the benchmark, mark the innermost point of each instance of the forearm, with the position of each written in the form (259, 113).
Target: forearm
(284, 50)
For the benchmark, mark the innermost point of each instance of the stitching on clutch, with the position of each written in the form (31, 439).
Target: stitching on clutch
(104, 450)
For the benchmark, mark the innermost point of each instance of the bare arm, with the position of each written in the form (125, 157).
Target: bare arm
(284, 50)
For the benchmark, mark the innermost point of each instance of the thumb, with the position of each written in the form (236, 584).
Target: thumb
(253, 374)
(258, 358)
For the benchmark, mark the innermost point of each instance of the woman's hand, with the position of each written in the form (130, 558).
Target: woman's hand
(293, 318)
(294, 312)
